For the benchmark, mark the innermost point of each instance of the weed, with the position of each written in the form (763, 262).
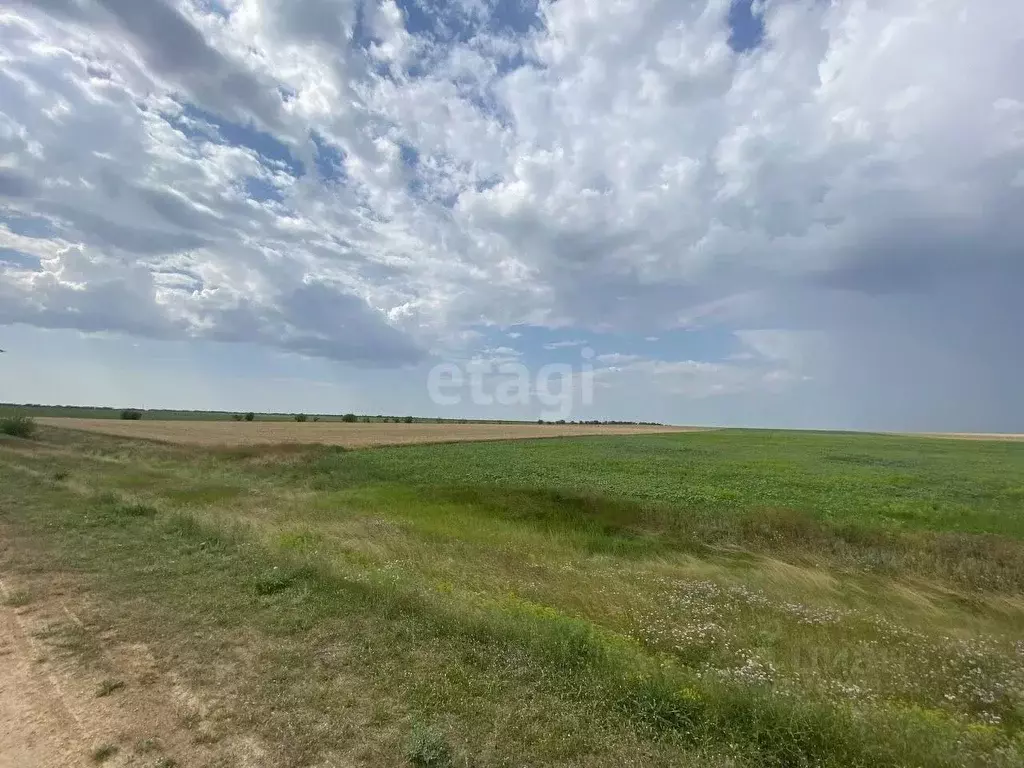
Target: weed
(71, 638)
(114, 506)
(18, 426)
(147, 746)
(274, 581)
(108, 686)
(17, 598)
(104, 752)
(427, 747)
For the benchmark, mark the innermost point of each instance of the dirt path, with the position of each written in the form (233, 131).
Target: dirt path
(73, 694)
(36, 728)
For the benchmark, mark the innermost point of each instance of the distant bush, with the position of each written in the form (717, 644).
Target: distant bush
(407, 419)
(18, 426)
(236, 416)
(316, 418)
(301, 417)
(250, 416)
(349, 418)
(131, 414)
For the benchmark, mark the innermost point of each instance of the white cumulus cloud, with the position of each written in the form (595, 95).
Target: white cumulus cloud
(372, 181)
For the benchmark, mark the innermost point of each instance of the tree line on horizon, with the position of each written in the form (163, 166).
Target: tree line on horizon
(136, 414)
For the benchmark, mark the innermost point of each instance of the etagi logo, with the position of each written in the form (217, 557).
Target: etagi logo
(557, 387)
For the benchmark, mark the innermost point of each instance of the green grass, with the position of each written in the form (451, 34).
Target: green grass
(886, 481)
(728, 598)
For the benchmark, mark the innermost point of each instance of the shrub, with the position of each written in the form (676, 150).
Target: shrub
(301, 417)
(236, 416)
(250, 416)
(18, 426)
(131, 414)
(349, 418)
(407, 419)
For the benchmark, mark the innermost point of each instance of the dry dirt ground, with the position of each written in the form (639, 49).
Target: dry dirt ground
(228, 433)
(73, 694)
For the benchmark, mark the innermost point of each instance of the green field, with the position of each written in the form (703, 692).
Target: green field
(731, 598)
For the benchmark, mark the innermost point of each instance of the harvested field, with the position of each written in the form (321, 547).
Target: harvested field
(229, 433)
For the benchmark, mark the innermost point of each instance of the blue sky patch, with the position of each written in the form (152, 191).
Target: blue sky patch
(262, 190)
(28, 226)
(539, 345)
(12, 257)
(236, 134)
(746, 28)
(329, 159)
(445, 23)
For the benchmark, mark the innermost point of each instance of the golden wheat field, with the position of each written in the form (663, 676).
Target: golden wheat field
(233, 433)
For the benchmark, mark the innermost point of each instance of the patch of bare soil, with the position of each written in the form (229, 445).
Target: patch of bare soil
(72, 694)
(233, 433)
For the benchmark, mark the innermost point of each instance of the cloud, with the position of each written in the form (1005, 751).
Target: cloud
(370, 182)
(617, 358)
(504, 351)
(694, 379)
(565, 344)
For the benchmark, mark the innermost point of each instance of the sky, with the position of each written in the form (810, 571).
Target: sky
(782, 213)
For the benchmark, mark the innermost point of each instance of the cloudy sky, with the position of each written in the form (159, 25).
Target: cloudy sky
(786, 213)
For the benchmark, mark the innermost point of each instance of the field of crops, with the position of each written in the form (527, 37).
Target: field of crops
(235, 433)
(719, 598)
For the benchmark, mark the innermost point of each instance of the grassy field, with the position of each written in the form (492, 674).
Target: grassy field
(721, 598)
